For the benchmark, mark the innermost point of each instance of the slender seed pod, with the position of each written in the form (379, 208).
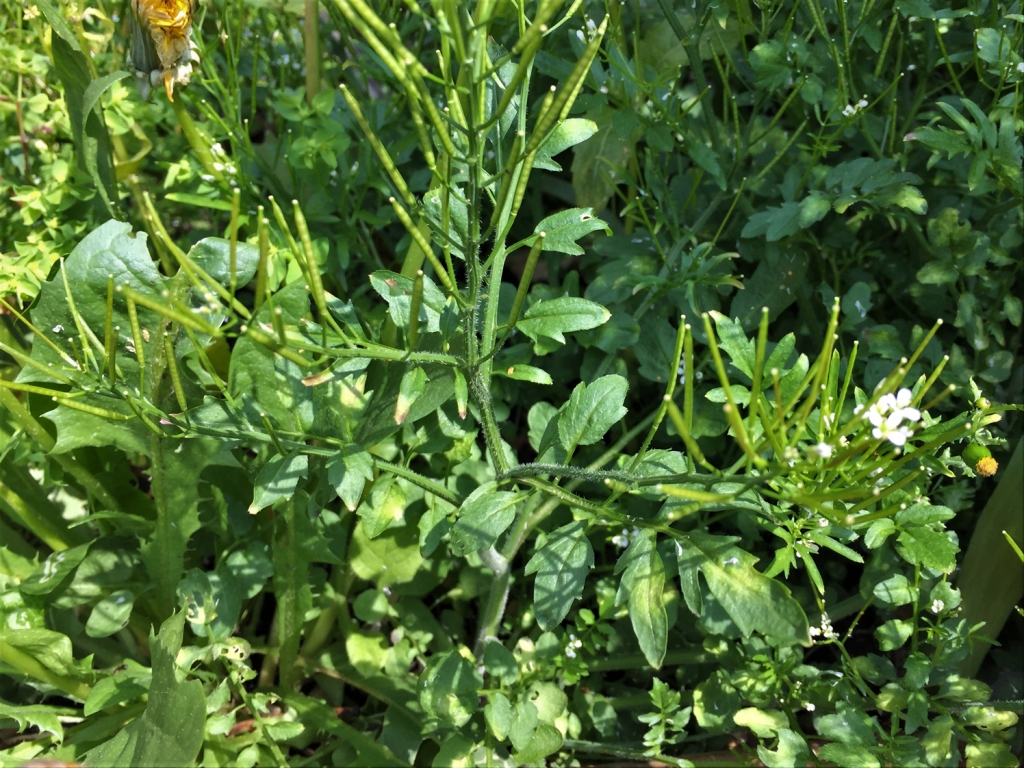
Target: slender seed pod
(717, 357)
(68, 402)
(17, 386)
(412, 336)
(272, 344)
(282, 223)
(236, 203)
(567, 94)
(421, 131)
(423, 243)
(187, 320)
(154, 428)
(759, 357)
(684, 432)
(263, 237)
(677, 355)
(316, 285)
(507, 174)
(111, 353)
(740, 433)
(525, 281)
(172, 366)
(24, 359)
(382, 153)
(137, 338)
(688, 381)
(277, 317)
(518, 76)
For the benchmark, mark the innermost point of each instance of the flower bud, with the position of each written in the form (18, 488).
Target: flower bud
(979, 458)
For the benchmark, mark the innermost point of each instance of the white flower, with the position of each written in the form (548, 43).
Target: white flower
(937, 605)
(572, 646)
(808, 706)
(1020, 67)
(58, 328)
(849, 110)
(903, 400)
(622, 540)
(821, 451)
(890, 429)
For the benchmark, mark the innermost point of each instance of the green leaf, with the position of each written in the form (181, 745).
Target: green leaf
(775, 284)
(790, 751)
(546, 741)
(893, 634)
(499, 661)
(896, 590)
(655, 349)
(126, 685)
(752, 600)
(170, 730)
(448, 688)
(600, 162)
(396, 290)
(563, 229)
(348, 470)
(848, 725)
(561, 566)
(391, 558)
(45, 717)
(110, 614)
(591, 411)
(923, 546)
(367, 651)
(321, 717)
(198, 201)
(846, 756)
(498, 714)
(562, 315)
(569, 133)
(384, 508)
(483, 516)
(764, 722)
(49, 574)
(213, 254)
(643, 581)
(278, 480)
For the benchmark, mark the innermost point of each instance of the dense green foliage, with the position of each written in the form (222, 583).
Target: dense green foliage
(600, 396)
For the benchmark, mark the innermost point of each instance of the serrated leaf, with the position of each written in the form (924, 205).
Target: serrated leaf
(923, 546)
(569, 133)
(384, 508)
(562, 315)
(498, 714)
(591, 411)
(278, 480)
(483, 516)
(414, 383)
(396, 290)
(565, 228)
(846, 756)
(752, 600)
(170, 730)
(348, 471)
(561, 566)
(790, 751)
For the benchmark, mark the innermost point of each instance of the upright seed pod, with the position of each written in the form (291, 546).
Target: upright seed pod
(525, 281)
(172, 366)
(263, 236)
(236, 202)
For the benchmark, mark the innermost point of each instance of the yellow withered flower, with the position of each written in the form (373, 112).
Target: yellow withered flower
(162, 47)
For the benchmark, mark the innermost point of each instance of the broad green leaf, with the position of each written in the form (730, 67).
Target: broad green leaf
(643, 582)
(546, 741)
(562, 315)
(764, 722)
(561, 566)
(396, 290)
(213, 254)
(498, 714)
(524, 724)
(565, 228)
(384, 508)
(775, 284)
(348, 470)
(655, 349)
(378, 418)
(110, 614)
(278, 480)
(895, 590)
(251, 567)
(753, 601)
(715, 701)
(790, 751)
(367, 651)
(484, 515)
(126, 685)
(500, 662)
(170, 731)
(591, 411)
(391, 558)
(846, 756)
(49, 574)
(893, 634)
(448, 688)
(848, 725)
(923, 546)
(735, 343)
(771, 68)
